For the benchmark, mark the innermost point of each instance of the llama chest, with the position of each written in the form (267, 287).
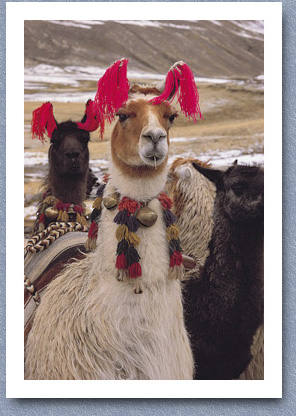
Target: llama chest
(152, 248)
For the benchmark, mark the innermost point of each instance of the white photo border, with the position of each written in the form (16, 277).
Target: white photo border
(271, 13)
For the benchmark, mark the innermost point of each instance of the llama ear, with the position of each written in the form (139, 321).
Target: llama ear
(235, 163)
(113, 88)
(43, 119)
(180, 81)
(90, 120)
(214, 175)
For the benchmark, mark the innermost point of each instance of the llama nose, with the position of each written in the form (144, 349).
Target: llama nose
(154, 135)
(72, 155)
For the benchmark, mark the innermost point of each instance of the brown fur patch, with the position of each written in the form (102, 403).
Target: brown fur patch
(138, 89)
(126, 135)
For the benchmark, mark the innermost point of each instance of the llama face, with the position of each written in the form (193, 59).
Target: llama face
(69, 153)
(140, 137)
(244, 193)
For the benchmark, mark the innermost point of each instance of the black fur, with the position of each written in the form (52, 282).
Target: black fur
(69, 163)
(224, 306)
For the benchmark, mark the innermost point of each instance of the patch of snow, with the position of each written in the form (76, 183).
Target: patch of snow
(35, 158)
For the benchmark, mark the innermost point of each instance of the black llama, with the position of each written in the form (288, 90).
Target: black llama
(69, 180)
(224, 306)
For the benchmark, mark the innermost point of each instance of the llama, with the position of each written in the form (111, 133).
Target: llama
(193, 197)
(69, 179)
(118, 314)
(223, 309)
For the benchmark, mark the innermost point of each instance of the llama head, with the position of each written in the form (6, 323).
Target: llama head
(140, 138)
(240, 191)
(68, 154)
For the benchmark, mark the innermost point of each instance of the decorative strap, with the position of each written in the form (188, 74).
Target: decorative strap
(42, 240)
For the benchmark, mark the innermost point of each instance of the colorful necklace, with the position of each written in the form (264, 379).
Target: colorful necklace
(130, 216)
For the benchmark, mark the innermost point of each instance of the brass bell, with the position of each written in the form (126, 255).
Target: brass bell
(111, 201)
(71, 209)
(51, 213)
(146, 216)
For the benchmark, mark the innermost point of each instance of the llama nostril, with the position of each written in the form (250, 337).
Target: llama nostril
(154, 135)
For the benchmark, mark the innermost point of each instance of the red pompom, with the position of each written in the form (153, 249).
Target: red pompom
(180, 81)
(93, 230)
(112, 91)
(42, 219)
(176, 259)
(121, 262)
(92, 121)
(166, 201)
(129, 205)
(135, 270)
(43, 119)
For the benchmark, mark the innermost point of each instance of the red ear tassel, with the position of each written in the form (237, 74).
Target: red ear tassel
(112, 91)
(180, 81)
(92, 121)
(43, 119)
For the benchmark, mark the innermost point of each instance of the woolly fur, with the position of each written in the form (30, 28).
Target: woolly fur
(92, 326)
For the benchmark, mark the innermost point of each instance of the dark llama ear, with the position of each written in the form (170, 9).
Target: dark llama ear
(90, 121)
(235, 163)
(214, 175)
(43, 119)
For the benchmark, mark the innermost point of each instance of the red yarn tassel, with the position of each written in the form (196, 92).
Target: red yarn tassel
(166, 201)
(176, 259)
(121, 262)
(129, 205)
(43, 119)
(180, 81)
(93, 230)
(112, 91)
(92, 121)
(42, 219)
(135, 270)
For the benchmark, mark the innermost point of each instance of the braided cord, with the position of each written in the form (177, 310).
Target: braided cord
(44, 239)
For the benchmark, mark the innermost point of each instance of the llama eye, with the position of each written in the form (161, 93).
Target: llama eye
(239, 188)
(122, 117)
(172, 117)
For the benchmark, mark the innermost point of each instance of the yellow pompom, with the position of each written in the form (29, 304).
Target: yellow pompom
(133, 238)
(81, 219)
(59, 218)
(121, 232)
(97, 203)
(64, 216)
(173, 232)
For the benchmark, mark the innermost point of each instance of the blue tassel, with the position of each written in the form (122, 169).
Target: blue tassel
(101, 189)
(174, 245)
(169, 217)
(122, 248)
(132, 223)
(121, 217)
(132, 256)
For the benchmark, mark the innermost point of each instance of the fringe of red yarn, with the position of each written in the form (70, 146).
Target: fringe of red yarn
(112, 92)
(135, 270)
(166, 201)
(121, 262)
(42, 219)
(93, 230)
(180, 82)
(43, 119)
(129, 205)
(92, 121)
(176, 259)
